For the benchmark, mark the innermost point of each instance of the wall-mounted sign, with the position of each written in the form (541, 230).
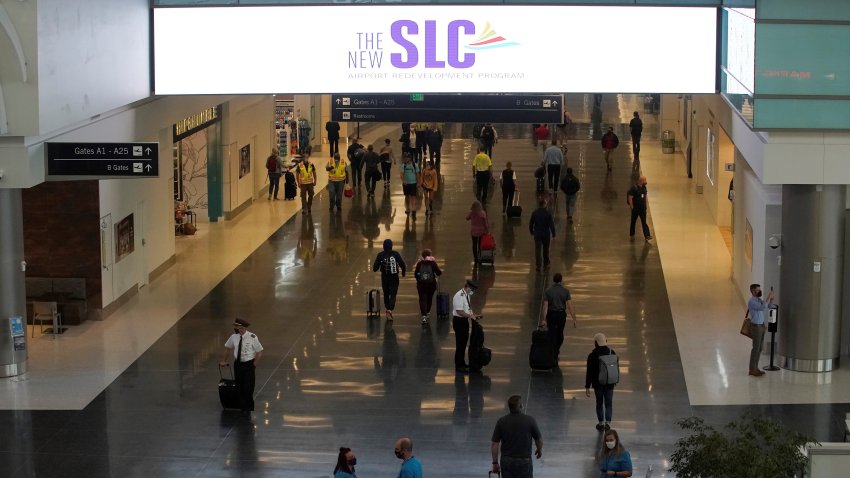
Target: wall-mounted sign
(450, 49)
(103, 160)
(125, 238)
(198, 121)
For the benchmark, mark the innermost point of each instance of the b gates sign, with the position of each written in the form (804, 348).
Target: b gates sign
(435, 49)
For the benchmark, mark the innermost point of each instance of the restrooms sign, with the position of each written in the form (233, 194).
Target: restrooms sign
(434, 49)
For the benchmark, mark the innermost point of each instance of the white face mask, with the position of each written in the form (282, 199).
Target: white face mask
(611, 444)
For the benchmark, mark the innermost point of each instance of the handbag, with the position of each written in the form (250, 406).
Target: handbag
(745, 327)
(348, 191)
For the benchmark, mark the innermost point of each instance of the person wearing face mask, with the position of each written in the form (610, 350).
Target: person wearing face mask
(246, 350)
(410, 465)
(614, 460)
(345, 463)
(514, 433)
(461, 316)
(755, 309)
(604, 392)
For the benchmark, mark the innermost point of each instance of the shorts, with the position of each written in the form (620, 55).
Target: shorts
(409, 189)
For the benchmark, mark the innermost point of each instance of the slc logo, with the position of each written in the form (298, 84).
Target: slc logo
(405, 33)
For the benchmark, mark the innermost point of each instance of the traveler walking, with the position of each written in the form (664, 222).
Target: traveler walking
(337, 179)
(636, 129)
(556, 302)
(274, 169)
(430, 183)
(542, 227)
(355, 155)
(345, 463)
(371, 171)
(391, 265)
(332, 128)
(614, 460)
(482, 170)
(461, 316)
(604, 392)
(410, 465)
(387, 161)
(755, 310)
(571, 186)
(478, 226)
(421, 135)
(306, 178)
(404, 139)
(609, 142)
(410, 180)
(489, 137)
(507, 180)
(638, 205)
(435, 145)
(426, 272)
(541, 135)
(553, 158)
(247, 351)
(512, 436)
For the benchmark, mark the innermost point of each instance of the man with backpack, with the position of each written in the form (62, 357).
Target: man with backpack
(556, 302)
(636, 129)
(274, 168)
(489, 137)
(355, 155)
(426, 273)
(390, 263)
(603, 373)
(570, 185)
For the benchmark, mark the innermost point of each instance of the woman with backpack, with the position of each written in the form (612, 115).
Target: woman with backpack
(426, 273)
(478, 226)
(601, 383)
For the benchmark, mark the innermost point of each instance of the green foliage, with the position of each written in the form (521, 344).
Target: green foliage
(752, 447)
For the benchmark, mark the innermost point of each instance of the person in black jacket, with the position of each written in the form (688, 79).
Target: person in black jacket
(391, 265)
(435, 143)
(570, 186)
(355, 154)
(636, 129)
(604, 393)
(332, 127)
(542, 227)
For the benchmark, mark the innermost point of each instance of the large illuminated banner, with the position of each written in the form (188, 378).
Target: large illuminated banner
(434, 49)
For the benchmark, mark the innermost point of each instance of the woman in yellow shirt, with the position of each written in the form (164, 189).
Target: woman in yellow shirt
(430, 182)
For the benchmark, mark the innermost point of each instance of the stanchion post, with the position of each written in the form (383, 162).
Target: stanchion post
(772, 326)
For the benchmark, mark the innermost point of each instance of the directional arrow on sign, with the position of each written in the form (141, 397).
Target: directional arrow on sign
(148, 167)
(338, 101)
(148, 150)
(555, 103)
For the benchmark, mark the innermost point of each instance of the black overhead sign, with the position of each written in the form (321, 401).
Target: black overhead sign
(460, 108)
(103, 160)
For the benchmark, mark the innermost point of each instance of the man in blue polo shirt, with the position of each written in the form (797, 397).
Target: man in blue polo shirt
(755, 308)
(410, 467)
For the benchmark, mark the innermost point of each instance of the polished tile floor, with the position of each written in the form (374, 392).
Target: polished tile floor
(135, 395)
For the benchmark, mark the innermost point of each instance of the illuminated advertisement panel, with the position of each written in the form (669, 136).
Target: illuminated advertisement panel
(434, 49)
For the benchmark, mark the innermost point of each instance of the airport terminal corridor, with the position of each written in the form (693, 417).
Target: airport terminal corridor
(330, 377)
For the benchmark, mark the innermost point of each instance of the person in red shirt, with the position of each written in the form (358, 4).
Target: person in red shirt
(542, 135)
(609, 142)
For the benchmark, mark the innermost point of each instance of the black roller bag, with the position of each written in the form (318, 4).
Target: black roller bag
(514, 210)
(479, 355)
(228, 393)
(290, 188)
(542, 354)
(373, 303)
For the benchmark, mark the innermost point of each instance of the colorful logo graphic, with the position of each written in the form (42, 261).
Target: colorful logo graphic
(489, 39)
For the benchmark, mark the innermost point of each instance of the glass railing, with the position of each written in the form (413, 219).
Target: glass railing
(737, 94)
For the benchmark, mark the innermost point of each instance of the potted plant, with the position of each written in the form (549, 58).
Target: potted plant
(752, 447)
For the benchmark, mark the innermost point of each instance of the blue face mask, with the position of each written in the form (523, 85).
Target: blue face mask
(352, 461)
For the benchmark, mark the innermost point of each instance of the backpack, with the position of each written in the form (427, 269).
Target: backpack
(426, 272)
(488, 135)
(359, 153)
(609, 369)
(570, 186)
(271, 163)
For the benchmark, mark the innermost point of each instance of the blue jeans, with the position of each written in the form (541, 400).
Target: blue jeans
(335, 193)
(604, 393)
(571, 204)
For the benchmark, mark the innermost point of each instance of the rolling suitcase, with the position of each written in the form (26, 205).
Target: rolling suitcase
(542, 353)
(479, 355)
(228, 394)
(373, 303)
(488, 250)
(290, 188)
(443, 305)
(514, 210)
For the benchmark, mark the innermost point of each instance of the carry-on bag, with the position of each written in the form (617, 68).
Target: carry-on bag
(228, 393)
(542, 353)
(488, 242)
(479, 355)
(514, 210)
(373, 303)
(443, 305)
(487, 257)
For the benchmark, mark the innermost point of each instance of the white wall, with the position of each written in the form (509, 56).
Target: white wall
(93, 56)
(249, 120)
(18, 92)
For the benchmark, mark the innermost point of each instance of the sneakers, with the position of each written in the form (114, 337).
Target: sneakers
(389, 315)
(600, 426)
(607, 426)
(648, 238)
(424, 319)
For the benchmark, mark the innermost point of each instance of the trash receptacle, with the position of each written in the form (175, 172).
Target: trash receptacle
(668, 142)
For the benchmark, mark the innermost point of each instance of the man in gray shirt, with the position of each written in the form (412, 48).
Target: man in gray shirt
(514, 433)
(556, 302)
(553, 158)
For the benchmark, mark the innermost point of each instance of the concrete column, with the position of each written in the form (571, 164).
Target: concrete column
(12, 284)
(811, 276)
